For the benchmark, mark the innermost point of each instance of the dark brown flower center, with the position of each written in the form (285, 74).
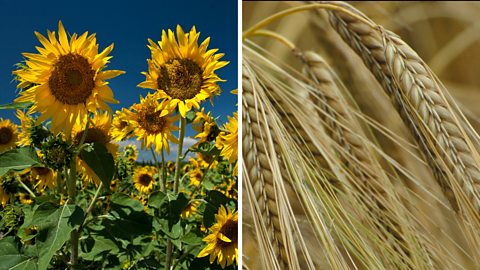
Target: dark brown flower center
(123, 124)
(93, 135)
(180, 78)
(145, 180)
(230, 230)
(72, 80)
(151, 121)
(6, 135)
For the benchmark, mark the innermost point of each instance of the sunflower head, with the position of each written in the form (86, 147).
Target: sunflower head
(121, 128)
(181, 70)
(227, 141)
(8, 135)
(43, 177)
(222, 243)
(131, 152)
(205, 126)
(56, 153)
(143, 178)
(68, 76)
(195, 176)
(98, 132)
(25, 198)
(153, 123)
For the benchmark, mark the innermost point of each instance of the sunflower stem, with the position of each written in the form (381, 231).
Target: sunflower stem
(162, 187)
(90, 207)
(184, 255)
(72, 192)
(26, 188)
(183, 123)
(72, 189)
(164, 172)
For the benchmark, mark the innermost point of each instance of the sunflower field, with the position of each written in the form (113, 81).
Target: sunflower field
(72, 197)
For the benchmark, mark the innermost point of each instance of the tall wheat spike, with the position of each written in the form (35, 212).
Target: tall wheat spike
(422, 104)
(350, 207)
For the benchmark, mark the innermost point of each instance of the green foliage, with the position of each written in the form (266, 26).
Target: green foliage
(11, 257)
(207, 148)
(100, 161)
(190, 116)
(124, 228)
(17, 160)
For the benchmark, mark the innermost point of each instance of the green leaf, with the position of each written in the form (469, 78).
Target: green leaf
(97, 244)
(11, 258)
(100, 161)
(18, 160)
(58, 233)
(54, 227)
(129, 218)
(175, 208)
(157, 199)
(207, 148)
(15, 105)
(190, 116)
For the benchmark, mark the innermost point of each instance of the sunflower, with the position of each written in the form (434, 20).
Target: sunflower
(228, 141)
(205, 125)
(195, 176)
(121, 128)
(183, 72)
(44, 177)
(69, 79)
(131, 153)
(152, 123)
(8, 135)
(143, 178)
(203, 161)
(98, 132)
(190, 210)
(25, 198)
(222, 243)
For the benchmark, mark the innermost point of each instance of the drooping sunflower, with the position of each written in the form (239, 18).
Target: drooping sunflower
(205, 125)
(143, 178)
(68, 78)
(182, 71)
(228, 141)
(153, 123)
(121, 128)
(8, 135)
(98, 132)
(222, 242)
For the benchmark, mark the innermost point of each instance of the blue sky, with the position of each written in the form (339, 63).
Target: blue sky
(128, 24)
